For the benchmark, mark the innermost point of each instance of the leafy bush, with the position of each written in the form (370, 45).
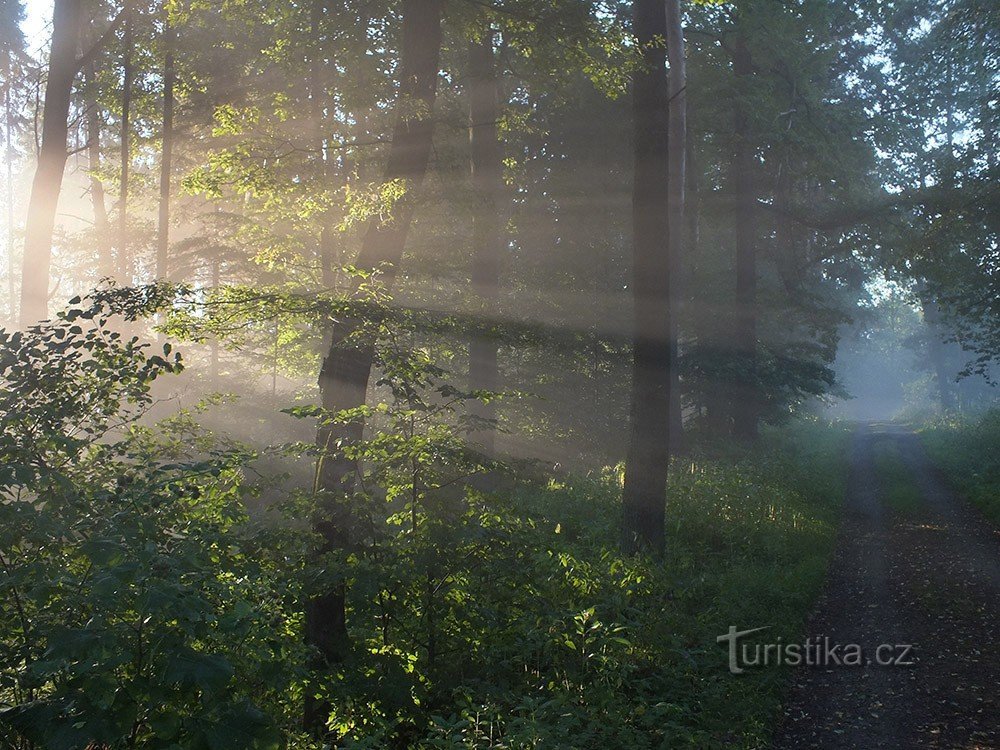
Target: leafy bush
(137, 610)
(513, 621)
(148, 610)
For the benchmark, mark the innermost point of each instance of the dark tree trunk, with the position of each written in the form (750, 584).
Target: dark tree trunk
(125, 270)
(676, 206)
(487, 182)
(343, 379)
(644, 496)
(166, 153)
(746, 402)
(52, 157)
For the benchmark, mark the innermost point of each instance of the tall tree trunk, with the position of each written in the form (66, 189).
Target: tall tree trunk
(644, 496)
(676, 204)
(746, 404)
(167, 152)
(125, 269)
(343, 379)
(487, 182)
(52, 157)
(102, 226)
(8, 106)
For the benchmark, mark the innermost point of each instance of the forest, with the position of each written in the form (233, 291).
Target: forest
(499, 374)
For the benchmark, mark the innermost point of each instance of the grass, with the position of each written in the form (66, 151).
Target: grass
(965, 450)
(901, 493)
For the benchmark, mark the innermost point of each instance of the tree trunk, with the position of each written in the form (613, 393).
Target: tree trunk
(487, 182)
(166, 153)
(125, 269)
(676, 204)
(644, 497)
(343, 379)
(52, 157)
(746, 406)
(9, 161)
(102, 226)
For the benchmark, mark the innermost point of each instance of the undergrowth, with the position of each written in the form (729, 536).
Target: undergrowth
(964, 448)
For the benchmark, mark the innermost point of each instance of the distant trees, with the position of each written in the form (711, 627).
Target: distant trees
(13, 77)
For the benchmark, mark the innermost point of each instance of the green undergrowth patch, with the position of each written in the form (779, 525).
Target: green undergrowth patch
(965, 450)
(896, 483)
(586, 649)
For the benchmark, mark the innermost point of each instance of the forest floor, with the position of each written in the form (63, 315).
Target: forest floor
(915, 565)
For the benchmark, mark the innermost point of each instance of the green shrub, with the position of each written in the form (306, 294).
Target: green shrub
(137, 611)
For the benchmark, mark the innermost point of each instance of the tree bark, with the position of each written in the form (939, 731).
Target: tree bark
(676, 204)
(343, 379)
(125, 270)
(644, 496)
(166, 153)
(8, 106)
(487, 182)
(52, 157)
(746, 406)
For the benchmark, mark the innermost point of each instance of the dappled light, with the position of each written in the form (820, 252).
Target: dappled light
(499, 374)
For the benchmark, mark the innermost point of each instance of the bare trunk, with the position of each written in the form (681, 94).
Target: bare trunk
(746, 406)
(676, 203)
(166, 153)
(9, 160)
(487, 181)
(644, 496)
(125, 269)
(343, 379)
(52, 157)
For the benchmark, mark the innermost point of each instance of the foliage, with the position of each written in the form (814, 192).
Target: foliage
(138, 608)
(150, 611)
(964, 448)
(509, 618)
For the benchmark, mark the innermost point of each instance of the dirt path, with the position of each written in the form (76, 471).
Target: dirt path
(929, 577)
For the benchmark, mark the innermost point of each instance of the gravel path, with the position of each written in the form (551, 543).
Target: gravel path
(929, 578)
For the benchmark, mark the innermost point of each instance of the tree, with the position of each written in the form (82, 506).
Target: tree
(346, 369)
(64, 64)
(677, 82)
(12, 54)
(487, 182)
(644, 496)
(166, 152)
(745, 409)
(125, 261)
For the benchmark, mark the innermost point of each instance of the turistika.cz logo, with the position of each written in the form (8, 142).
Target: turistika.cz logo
(815, 651)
